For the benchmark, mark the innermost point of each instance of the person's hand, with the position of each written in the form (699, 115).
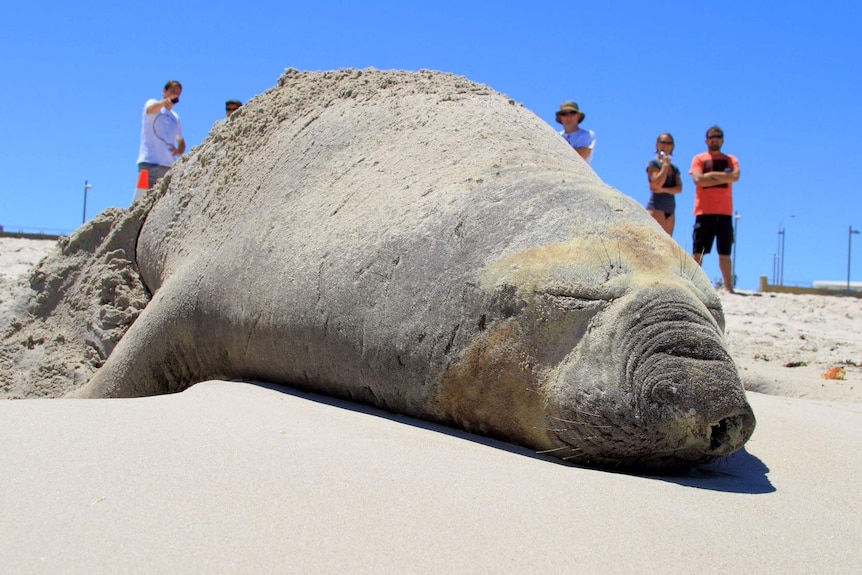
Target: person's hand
(167, 103)
(175, 152)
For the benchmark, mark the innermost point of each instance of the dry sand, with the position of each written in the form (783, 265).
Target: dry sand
(784, 343)
(17, 258)
(242, 478)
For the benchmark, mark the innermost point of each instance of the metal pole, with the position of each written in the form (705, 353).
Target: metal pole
(87, 186)
(735, 248)
(781, 231)
(778, 257)
(850, 233)
(774, 269)
(781, 279)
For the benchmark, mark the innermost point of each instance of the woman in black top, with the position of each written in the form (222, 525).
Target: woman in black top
(664, 183)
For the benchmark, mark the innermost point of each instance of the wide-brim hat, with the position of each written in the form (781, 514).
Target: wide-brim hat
(569, 106)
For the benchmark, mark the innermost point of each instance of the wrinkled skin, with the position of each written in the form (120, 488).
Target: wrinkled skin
(495, 285)
(627, 371)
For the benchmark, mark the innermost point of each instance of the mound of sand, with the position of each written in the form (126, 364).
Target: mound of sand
(61, 321)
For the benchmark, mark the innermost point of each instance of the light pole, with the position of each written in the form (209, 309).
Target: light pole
(736, 217)
(783, 235)
(779, 259)
(87, 186)
(850, 233)
(774, 269)
(781, 231)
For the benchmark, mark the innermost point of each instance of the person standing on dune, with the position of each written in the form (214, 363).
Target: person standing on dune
(714, 173)
(161, 134)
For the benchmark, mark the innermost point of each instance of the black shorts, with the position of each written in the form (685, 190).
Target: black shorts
(709, 227)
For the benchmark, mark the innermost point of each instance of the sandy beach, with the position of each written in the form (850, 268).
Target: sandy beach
(231, 477)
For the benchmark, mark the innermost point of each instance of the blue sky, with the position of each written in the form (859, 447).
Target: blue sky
(781, 78)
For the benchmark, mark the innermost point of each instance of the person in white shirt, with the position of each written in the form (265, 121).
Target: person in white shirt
(583, 141)
(161, 134)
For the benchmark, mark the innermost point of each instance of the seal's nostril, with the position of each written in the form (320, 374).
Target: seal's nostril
(718, 434)
(729, 433)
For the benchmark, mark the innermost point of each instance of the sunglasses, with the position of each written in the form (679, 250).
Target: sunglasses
(665, 142)
(721, 137)
(231, 109)
(568, 113)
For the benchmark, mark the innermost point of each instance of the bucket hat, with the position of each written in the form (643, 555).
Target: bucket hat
(569, 106)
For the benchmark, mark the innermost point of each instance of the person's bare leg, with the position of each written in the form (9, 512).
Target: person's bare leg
(668, 224)
(724, 266)
(698, 257)
(658, 216)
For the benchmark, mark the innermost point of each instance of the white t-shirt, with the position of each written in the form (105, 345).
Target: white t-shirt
(159, 132)
(580, 138)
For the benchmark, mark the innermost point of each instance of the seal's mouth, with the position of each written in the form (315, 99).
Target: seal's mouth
(700, 446)
(717, 441)
(726, 433)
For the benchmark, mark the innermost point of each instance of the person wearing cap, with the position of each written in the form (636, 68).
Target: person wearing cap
(713, 173)
(583, 141)
(231, 106)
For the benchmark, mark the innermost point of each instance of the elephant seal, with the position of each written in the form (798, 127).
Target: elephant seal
(421, 243)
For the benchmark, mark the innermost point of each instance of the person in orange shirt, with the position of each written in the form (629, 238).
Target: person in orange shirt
(714, 173)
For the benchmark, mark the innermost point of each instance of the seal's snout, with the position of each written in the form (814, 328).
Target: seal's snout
(685, 385)
(698, 404)
(729, 434)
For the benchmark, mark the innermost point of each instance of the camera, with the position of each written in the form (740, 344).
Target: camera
(175, 100)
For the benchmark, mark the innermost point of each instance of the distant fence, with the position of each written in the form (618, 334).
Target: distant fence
(32, 233)
(766, 287)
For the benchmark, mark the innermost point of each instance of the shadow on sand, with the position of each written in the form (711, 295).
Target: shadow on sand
(741, 472)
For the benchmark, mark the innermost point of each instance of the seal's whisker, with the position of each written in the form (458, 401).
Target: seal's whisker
(626, 461)
(610, 260)
(584, 424)
(693, 271)
(694, 268)
(554, 449)
(686, 269)
(681, 262)
(619, 256)
(582, 412)
(605, 262)
(574, 455)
